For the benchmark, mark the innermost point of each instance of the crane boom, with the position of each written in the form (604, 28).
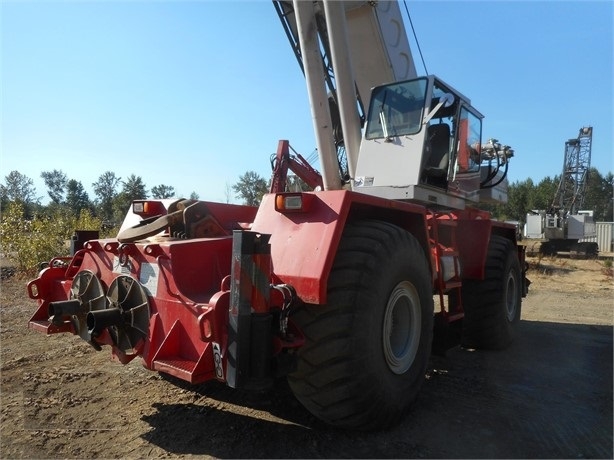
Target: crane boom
(378, 43)
(360, 45)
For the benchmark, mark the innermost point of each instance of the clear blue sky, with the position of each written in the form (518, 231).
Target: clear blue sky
(193, 94)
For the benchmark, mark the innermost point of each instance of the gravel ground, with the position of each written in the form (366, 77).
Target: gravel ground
(548, 395)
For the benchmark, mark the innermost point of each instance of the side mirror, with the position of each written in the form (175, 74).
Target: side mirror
(447, 99)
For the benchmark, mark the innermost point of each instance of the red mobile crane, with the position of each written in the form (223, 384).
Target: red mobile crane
(333, 288)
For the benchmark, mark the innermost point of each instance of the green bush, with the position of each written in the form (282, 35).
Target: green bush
(86, 221)
(30, 242)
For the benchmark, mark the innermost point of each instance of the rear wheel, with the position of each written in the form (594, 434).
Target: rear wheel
(492, 305)
(366, 351)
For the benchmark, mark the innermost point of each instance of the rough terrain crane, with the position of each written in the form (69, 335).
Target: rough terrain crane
(565, 223)
(333, 289)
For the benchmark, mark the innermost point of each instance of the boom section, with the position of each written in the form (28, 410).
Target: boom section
(344, 49)
(378, 44)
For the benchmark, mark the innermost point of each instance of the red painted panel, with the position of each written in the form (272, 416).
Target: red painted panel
(231, 215)
(472, 239)
(474, 230)
(303, 245)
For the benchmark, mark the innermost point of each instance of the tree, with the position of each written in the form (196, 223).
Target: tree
(56, 184)
(250, 188)
(162, 191)
(521, 198)
(598, 198)
(132, 189)
(296, 184)
(19, 188)
(105, 189)
(194, 196)
(544, 192)
(76, 197)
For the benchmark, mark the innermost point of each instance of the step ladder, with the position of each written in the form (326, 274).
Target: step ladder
(442, 229)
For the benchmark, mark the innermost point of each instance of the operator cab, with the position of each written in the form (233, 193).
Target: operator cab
(421, 142)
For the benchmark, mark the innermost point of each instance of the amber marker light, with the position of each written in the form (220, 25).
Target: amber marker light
(292, 202)
(146, 209)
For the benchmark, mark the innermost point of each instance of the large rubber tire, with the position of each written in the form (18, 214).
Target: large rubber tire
(492, 306)
(367, 350)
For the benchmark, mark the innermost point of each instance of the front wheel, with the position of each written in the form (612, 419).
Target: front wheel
(367, 350)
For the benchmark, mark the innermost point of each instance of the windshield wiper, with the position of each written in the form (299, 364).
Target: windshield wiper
(382, 118)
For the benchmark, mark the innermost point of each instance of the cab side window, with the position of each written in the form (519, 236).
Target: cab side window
(469, 142)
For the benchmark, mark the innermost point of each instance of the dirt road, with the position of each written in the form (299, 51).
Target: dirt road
(548, 395)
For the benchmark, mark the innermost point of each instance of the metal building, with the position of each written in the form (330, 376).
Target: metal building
(604, 237)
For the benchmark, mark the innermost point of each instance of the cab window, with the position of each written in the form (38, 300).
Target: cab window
(396, 109)
(469, 142)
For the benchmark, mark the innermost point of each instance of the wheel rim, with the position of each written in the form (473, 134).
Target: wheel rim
(402, 323)
(511, 297)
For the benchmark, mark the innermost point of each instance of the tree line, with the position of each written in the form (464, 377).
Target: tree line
(114, 195)
(526, 195)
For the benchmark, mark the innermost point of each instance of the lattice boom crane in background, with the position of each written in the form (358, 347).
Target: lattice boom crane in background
(565, 223)
(571, 191)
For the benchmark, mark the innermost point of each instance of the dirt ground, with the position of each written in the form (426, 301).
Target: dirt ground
(548, 395)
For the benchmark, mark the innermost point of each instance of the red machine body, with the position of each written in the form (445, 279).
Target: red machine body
(188, 283)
